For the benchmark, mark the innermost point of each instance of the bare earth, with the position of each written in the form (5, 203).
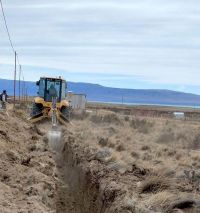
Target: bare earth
(107, 162)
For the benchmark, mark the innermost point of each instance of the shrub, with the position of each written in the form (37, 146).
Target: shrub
(108, 118)
(153, 184)
(135, 155)
(145, 147)
(142, 125)
(103, 142)
(120, 148)
(96, 118)
(126, 118)
(195, 143)
(166, 136)
(111, 118)
(81, 115)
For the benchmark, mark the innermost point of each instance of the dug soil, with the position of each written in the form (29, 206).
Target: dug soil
(97, 169)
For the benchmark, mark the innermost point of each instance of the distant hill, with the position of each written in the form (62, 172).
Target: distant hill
(100, 93)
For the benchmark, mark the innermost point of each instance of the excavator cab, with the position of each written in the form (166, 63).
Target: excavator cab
(51, 100)
(52, 87)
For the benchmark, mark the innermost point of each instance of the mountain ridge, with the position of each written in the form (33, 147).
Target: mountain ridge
(99, 93)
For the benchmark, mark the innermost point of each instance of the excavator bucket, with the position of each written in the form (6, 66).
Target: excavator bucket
(55, 134)
(54, 138)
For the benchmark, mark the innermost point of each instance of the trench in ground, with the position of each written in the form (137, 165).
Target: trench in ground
(76, 192)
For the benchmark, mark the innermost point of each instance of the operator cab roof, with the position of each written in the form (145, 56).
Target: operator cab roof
(55, 78)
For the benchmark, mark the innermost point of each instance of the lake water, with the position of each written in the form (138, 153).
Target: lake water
(143, 104)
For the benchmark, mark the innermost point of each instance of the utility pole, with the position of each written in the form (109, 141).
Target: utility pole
(26, 95)
(15, 73)
(20, 69)
(24, 89)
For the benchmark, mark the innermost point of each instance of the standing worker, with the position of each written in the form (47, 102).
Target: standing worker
(3, 99)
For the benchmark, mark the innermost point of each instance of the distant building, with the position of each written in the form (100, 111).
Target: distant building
(179, 115)
(77, 101)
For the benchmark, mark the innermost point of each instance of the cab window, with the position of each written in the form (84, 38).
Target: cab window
(42, 88)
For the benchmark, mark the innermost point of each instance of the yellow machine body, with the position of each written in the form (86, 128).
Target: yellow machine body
(44, 108)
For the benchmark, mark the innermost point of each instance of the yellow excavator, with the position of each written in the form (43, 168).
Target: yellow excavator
(51, 101)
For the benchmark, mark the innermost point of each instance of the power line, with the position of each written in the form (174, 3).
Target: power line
(18, 60)
(8, 33)
(16, 55)
(6, 25)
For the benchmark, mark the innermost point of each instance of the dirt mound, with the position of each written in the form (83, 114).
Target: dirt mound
(26, 180)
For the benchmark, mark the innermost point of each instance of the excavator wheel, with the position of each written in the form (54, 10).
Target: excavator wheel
(36, 109)
(65, 111)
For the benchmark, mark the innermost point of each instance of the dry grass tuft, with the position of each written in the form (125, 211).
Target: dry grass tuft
(142, 125)
(160, 199)
(182, 203)
(112, 158)
(20, 113)
(147, 157)
(167, 136)
(135, 155)
(112, 130)
(111, 144)
(81, 115)
(111, 118)
(103, 142)
(196, 157)
(107, 118)
(169, 202)
(96, 118)
(145, 148)
(195, 143)
(154, 184)
(171, 153)
(120, 148)
(116, 165)
(127, 118)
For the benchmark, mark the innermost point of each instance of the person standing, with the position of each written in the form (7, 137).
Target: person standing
(3, 99)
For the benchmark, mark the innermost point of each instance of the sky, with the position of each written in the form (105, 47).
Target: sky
(142, 44)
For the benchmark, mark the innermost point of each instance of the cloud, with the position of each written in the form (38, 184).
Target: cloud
(155, 41)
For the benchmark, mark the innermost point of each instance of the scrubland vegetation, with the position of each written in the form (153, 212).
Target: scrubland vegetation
(164, 152)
